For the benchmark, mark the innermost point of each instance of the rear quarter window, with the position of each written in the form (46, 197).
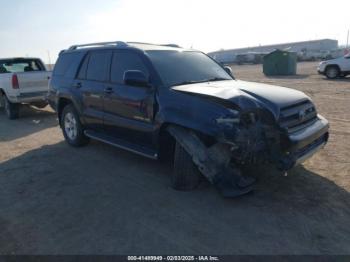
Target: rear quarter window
(67, 64)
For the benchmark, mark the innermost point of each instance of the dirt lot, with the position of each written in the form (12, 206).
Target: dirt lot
(100, 200)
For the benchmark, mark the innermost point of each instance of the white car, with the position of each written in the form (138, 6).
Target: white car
(22, 81)
(336, 67)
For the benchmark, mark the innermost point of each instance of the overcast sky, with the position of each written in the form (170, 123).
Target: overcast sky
(34, 27)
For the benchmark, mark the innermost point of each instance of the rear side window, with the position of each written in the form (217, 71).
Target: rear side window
(63, 64)
(67, 64)
(123, 61)
(98, 66)
(83, 68)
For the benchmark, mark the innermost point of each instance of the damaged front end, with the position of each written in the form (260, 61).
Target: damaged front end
(241, 141)
(251, 137)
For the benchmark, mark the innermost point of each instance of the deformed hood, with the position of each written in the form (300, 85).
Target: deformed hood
(272, 97)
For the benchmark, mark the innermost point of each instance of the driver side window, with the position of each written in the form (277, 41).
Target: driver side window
(123, 61)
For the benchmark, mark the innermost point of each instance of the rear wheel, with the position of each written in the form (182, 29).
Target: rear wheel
(11, 109)
(332, 72)
(72, 128)
(186, 175)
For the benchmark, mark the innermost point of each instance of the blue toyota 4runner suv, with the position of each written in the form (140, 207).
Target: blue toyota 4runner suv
(161, 100)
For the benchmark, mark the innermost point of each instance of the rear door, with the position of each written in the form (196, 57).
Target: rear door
(91, 83)
(129, 110)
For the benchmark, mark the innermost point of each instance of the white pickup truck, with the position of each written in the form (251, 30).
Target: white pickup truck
(339, 67)
(22, 81)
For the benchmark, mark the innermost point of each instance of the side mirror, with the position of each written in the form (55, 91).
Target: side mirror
(136, 78)
(228, 70)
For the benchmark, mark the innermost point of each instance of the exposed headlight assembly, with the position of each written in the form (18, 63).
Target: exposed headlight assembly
(249, 118)
(233, 117)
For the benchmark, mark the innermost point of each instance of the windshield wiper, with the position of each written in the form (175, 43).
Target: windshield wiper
(217, 79)
(190, 82)
(201, 81)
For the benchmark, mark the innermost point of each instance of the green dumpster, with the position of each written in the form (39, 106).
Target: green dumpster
(280, 62)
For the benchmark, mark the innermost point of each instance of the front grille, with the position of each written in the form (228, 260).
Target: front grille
(298, 116)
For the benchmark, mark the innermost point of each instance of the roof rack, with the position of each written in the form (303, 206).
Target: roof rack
(140, 43)
(172, 45)
(168, 45)
(116, 43)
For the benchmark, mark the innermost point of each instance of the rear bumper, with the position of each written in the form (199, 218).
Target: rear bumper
(304, 144)
(29, 97)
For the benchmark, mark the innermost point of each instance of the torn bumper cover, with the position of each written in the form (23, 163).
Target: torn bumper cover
(214, 163)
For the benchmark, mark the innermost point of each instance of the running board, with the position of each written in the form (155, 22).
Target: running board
(152, 154)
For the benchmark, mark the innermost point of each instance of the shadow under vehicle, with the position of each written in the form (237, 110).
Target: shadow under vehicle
(96, 200)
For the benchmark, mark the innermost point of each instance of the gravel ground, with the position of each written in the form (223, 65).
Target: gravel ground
(55, 199)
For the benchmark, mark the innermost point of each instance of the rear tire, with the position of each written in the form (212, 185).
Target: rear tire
(332, 72)
(72, 128)
(11, 109)
(186, 176)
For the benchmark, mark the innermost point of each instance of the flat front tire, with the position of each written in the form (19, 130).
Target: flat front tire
(11, 109)
(186, 175)
(72, 128)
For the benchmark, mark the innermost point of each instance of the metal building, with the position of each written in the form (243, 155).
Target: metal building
(322, 45)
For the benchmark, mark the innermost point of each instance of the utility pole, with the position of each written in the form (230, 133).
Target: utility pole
(48, 54)
(347, 40)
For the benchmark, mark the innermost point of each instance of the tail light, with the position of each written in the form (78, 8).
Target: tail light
(15, 84)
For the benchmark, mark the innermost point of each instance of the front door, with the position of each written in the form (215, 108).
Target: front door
(129, 110)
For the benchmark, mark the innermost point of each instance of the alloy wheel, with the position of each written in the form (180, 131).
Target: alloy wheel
(70, 126)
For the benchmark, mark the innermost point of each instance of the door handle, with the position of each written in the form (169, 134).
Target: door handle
(77, 85)
(109, 90)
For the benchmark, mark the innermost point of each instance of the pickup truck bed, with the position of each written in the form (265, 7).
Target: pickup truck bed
(22, 81)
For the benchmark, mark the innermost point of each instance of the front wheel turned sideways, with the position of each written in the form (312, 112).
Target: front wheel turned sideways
(72, 128)
(186, 176)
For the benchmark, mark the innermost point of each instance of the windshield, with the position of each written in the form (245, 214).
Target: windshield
(180, 68)
(19, 66)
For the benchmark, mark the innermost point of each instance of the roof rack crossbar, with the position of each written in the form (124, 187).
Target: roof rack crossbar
(74, 47)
